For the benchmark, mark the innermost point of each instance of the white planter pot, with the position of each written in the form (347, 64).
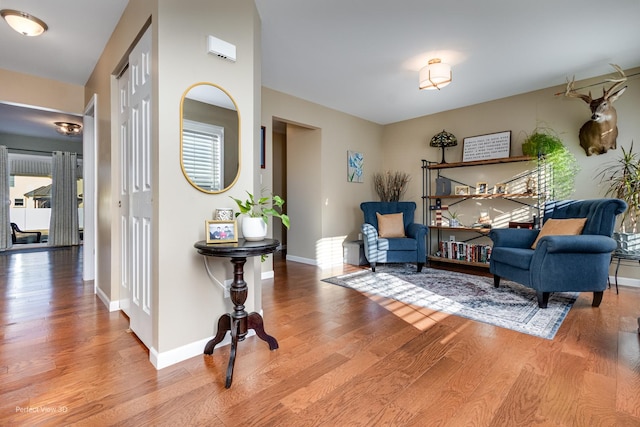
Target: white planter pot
(254, 229)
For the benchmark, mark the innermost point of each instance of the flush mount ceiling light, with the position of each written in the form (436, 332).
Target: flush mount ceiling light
(68, 129)
(435, 75)
(24, 23)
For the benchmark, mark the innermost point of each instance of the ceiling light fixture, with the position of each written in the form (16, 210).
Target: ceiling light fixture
(68, 129)
(24, 23)
(435, 75)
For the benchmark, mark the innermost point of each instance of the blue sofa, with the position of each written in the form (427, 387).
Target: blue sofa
(576, 263)
(411, 248)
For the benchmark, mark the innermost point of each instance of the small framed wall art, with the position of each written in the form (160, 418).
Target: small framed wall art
(355, 162)
(221, 231)
(461, 190)
(500, 189)
(481, 188)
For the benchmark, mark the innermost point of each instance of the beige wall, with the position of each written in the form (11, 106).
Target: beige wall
(335, 200)
(38, 92)
(187, 304)
(184, 287)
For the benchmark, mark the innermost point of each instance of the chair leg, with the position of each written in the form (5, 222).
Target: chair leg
(543, 299)
(420, 265)
(373, 266)
(496, 281)
(597, 299)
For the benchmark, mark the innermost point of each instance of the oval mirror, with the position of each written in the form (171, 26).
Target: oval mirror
(209, 138)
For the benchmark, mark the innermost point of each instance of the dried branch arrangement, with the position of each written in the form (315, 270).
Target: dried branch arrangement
(390, 186)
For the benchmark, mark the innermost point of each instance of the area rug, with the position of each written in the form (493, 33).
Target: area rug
(510, 306)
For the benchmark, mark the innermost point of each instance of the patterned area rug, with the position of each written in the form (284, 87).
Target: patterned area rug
(510, 306)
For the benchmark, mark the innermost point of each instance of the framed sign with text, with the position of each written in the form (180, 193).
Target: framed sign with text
(485, 147)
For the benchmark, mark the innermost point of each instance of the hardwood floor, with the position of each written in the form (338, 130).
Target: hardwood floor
(344, 360)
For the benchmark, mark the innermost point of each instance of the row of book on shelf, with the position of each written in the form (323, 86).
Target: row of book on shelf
(464, 251)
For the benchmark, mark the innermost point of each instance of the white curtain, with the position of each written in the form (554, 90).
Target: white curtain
(63, 228)
(5, 200)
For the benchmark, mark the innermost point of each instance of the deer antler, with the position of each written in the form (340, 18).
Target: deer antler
(616, 82)
(571, 92)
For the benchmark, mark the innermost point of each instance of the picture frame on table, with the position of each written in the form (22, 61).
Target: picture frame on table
(221, 231)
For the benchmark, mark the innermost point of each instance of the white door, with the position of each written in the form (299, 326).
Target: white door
(136, 192)
(123, 187)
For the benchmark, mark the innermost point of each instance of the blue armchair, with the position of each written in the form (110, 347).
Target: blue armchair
(573, 263)
(411, 248)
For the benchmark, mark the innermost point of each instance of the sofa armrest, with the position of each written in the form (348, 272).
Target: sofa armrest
(370, 237)
(584, 243)
(513, 237)
(416, 231)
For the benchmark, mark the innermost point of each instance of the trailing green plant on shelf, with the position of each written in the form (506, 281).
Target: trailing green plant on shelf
(553, 156)
(264, 207)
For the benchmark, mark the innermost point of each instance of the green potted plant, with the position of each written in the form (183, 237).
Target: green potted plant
(622, 180)
(554, 158)
(454, 218)
(254, 225)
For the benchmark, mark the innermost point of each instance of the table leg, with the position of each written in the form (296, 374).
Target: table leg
(234, 349)
(224, 325)
(256, 323)
(238, 322)
(617, 267)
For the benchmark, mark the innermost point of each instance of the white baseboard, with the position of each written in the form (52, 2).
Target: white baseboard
(301, 260)
(111, 305)
(267, 275)
(187, 351)
(625, 281)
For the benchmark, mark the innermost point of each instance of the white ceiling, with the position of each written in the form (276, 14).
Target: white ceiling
(362, 57)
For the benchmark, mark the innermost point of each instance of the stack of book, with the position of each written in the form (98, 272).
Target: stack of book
(465, 251)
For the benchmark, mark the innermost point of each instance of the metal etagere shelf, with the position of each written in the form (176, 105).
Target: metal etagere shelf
(533, 200)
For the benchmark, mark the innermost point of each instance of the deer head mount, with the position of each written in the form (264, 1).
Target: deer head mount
(599, 134)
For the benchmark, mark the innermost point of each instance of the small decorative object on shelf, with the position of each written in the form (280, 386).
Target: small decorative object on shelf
(454, 219)
(500, 189)
(481, 188)
(224, 214)
(443, 139)
(462, 190)
(530, 187)
(443, 186)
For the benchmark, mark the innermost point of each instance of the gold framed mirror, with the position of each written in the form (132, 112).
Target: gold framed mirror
(209, 138)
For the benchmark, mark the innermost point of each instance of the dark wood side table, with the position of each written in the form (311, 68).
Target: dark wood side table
(239, 321)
